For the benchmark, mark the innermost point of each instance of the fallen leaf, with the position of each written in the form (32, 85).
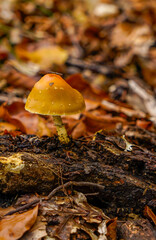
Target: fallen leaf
(144, 124)
(17, 79)
(102, 229)
(79, 130)
(95, 122)
(14, 226)
(117, 108)
(147, 99)
(91, 105)
(128, 35)
(42, 128)
(45, 57)
(7, 126)
(30, 69)
(5, 115)
(4, 211)
(149, 72)
(149, 214)
(88, 91)
(18, 118)
(26, 122)
(67, 215)
(111, 228)
(37, 232)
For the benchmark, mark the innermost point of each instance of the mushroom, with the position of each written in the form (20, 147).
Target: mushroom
(52, 95)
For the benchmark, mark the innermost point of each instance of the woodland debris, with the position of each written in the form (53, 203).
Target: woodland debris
(128, 174)
(139, 229)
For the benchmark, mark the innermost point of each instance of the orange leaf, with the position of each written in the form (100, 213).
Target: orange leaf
(5, 115)
(149, 214)
(4, 211)
(7, 126)
(144, 124)
(18, 116)
(79, 130)
(13, 227)
(96, 122)
(111, 228)
(88, 91)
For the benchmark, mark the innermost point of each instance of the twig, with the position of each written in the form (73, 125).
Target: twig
(23, 207)
(91, 66)
(91, 194)
(80, 184)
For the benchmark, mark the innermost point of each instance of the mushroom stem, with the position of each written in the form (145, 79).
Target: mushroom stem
(61, 130)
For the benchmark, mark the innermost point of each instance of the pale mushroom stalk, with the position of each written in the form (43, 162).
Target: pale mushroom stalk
(61, 130)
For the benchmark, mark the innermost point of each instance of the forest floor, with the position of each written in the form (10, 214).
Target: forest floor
(101, 185)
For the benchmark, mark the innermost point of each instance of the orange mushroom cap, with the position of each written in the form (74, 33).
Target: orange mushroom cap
(51, 95)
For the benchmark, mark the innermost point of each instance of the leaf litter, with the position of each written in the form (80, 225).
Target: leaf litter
(106, 50)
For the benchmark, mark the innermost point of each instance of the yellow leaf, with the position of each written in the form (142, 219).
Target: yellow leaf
(45, 57)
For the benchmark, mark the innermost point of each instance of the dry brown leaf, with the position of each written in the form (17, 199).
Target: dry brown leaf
(37, 232)
(146, 97)
(72, 125)
(4, 211)
(149, 214)
(89, 92)
(117, 108)
(7, 126)
(111, 228)
(91, 105)
(149, 71)
(17, 79)
(95, 123)
(5, 115)
(18, 118)
(144, 124)
(124, 58)
(79, 130)
(13, 227)
(67, 215)
(42, 128)
(128, 35)
(29, 69)
(17, 113)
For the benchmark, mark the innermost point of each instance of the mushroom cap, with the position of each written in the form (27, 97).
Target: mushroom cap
(51, 95)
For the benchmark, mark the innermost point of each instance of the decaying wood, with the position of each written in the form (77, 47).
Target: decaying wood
(32, 164)
(139, 229)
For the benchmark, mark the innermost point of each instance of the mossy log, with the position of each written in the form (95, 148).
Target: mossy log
(32, 164)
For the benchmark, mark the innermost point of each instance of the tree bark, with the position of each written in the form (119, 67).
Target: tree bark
(32, 164)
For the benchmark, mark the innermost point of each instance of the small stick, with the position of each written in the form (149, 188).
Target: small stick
(23, 207)
(80, 184)
(52, 193)
(91, 194)
(91, 66)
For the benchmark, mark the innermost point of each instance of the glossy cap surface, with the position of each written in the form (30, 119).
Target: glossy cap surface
(51, 95)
